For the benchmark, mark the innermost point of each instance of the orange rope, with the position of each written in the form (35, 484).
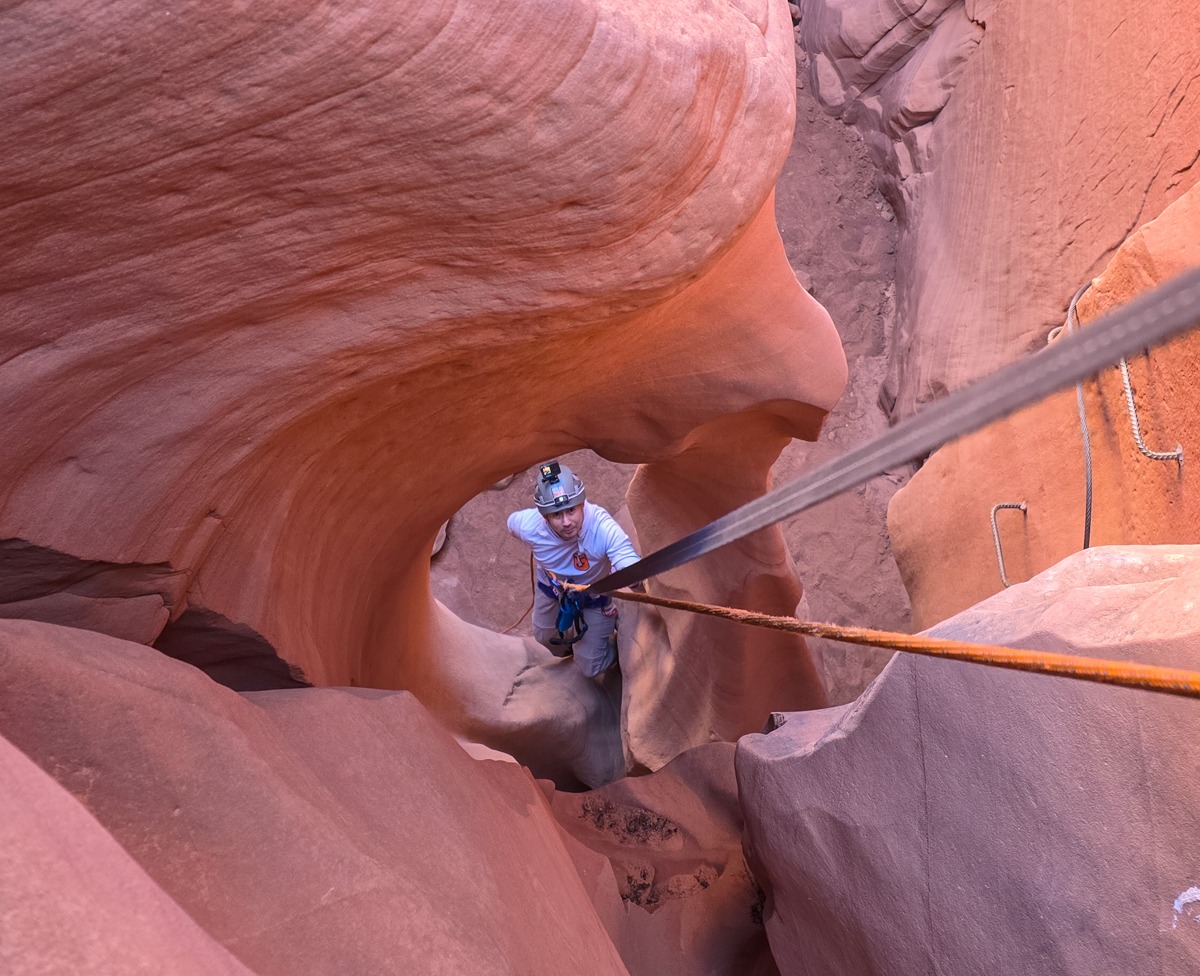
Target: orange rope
(528, 608)
(1149, 677)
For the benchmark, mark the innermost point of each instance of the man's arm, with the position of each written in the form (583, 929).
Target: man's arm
(617, 545)
(518, 528)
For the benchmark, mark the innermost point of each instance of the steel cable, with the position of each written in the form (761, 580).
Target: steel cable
(1087, 439)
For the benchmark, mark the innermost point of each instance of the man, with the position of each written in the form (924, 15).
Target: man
(573, 541)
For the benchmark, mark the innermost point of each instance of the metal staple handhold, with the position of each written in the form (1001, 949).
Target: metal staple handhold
(996, 535)
(1175, 455)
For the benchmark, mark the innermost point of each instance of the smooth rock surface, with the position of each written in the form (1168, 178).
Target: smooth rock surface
(314, 831)
(962, 819)
(287, 287)
(939, 522)
(73, 902)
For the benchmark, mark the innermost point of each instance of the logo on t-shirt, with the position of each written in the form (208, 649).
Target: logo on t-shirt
(580, 561)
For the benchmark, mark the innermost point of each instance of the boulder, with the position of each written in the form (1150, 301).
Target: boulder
(964, 819)
(306, 831)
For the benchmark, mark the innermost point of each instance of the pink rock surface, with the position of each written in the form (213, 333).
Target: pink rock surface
(287, 288)
(939, 522)
(962, 819)
(1021, 143)
(73, 902)
(670, 846)
(309, 831)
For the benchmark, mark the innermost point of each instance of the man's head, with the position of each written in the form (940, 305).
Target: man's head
(566, 523)
(559, 496)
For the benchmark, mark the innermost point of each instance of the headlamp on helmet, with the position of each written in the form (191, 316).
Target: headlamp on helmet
(558, 488)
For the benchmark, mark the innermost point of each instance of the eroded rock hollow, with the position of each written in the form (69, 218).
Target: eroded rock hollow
(275, 318)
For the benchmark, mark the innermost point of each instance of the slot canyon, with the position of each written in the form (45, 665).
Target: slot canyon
(297, 295)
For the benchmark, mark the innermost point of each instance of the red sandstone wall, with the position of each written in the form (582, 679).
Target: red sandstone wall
(288, 286)
(1024, 141)
(939, 523)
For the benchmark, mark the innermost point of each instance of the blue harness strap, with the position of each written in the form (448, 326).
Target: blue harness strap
(586, 601)
(571, 604)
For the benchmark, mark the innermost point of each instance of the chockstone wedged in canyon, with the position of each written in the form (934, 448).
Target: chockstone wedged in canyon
(286, 285)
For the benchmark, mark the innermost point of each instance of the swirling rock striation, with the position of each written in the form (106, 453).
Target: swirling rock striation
(287, 286)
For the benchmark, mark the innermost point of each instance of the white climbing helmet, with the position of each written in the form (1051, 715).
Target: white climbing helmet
(558, 487)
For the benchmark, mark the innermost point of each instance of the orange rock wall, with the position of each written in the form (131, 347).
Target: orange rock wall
(939, 522)
(1022, 142)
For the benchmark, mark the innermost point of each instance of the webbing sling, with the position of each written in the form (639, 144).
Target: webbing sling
(1147, 321)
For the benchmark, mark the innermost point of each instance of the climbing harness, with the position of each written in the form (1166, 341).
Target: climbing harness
(570, 623)
(1148, 677)
(573, 599)
(1146, 321)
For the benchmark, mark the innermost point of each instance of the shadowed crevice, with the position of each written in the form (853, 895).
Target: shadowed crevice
(130, 601)
(232, 654)
(32, 572)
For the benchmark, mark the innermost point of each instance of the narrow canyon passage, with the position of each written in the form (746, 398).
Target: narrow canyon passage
(294, 294)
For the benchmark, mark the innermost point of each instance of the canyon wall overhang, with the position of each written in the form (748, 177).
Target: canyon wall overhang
(285, 285)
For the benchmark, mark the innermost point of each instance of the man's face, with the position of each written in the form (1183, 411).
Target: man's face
(567, 522)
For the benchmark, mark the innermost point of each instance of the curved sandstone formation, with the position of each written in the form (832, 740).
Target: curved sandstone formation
(964, 819)
(285, 288)
(311, 831)
(335, 831)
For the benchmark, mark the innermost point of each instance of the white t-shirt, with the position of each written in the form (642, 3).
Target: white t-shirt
(600, 548)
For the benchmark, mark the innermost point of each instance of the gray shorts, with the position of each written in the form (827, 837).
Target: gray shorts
(595, 653)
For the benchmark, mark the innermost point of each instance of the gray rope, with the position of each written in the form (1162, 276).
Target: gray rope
(1167, 311)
